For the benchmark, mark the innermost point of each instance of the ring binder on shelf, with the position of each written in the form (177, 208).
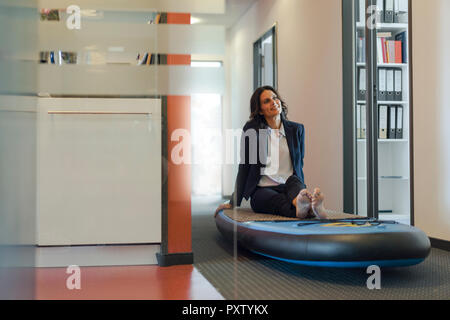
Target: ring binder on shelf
(381, 50)
(361, 48)
(398, 85)
(362, 84)
(389, 11)
(392, 122)
(399, 126)
(383, 121)
(380, 11)
(360, 9)
(401, 11)
(382, 84)
(358, 121)
(396, 10)
(363, 121)
(389, 84)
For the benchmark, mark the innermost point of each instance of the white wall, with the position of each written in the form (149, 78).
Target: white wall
(309, 80)
(431, 114)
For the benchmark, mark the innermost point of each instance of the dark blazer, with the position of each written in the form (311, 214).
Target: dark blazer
(252, 160)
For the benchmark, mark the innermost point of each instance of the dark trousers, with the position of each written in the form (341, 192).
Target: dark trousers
(278, 199)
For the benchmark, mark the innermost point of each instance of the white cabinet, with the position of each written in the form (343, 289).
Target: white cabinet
(99, 171)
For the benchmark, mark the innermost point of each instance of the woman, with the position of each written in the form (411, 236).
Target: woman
(273, 188)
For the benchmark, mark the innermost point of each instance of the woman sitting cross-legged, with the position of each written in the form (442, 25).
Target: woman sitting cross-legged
(271, 168)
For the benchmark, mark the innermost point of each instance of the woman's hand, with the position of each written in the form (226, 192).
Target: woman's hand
(223, 206)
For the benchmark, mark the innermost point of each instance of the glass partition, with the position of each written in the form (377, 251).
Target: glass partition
(380, 114)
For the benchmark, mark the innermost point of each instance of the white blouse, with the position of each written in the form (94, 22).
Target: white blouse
(277, 170)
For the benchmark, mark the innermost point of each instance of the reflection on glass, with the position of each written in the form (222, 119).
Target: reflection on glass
(18, 23)
(53, 82)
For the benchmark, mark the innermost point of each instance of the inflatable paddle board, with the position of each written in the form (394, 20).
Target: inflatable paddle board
(348, 243)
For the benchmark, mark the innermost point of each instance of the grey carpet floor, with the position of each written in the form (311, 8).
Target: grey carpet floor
(239, 274)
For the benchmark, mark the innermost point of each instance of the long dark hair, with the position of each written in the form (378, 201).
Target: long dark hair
(255, 106)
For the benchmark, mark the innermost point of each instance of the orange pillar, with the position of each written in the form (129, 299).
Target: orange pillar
(178, 18)
(179, 59)
(176, 246)
(179, 175)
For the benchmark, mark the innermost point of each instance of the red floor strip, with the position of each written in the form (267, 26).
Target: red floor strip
(125, 283)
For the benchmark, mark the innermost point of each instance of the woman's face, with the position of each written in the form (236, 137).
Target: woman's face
(270, 105)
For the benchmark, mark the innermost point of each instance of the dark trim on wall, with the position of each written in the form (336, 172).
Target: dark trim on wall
(275, 55)
(411, 114)
(164, 176)
(256, 66)
(440, 244)
(349, 152)
(371, 117)
(172, 259)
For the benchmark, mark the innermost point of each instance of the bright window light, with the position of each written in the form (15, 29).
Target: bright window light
(206, 139)
(206, 64)
(195, 20)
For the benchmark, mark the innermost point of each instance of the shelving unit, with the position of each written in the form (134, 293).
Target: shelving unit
(393, 154)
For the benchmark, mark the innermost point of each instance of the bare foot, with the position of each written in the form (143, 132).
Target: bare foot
(303, 204)
(317, 204)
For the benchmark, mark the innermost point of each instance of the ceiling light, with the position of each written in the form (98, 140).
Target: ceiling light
(89, 13)
(195, 20)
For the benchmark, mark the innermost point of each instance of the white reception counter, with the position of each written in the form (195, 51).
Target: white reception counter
(99, 171)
